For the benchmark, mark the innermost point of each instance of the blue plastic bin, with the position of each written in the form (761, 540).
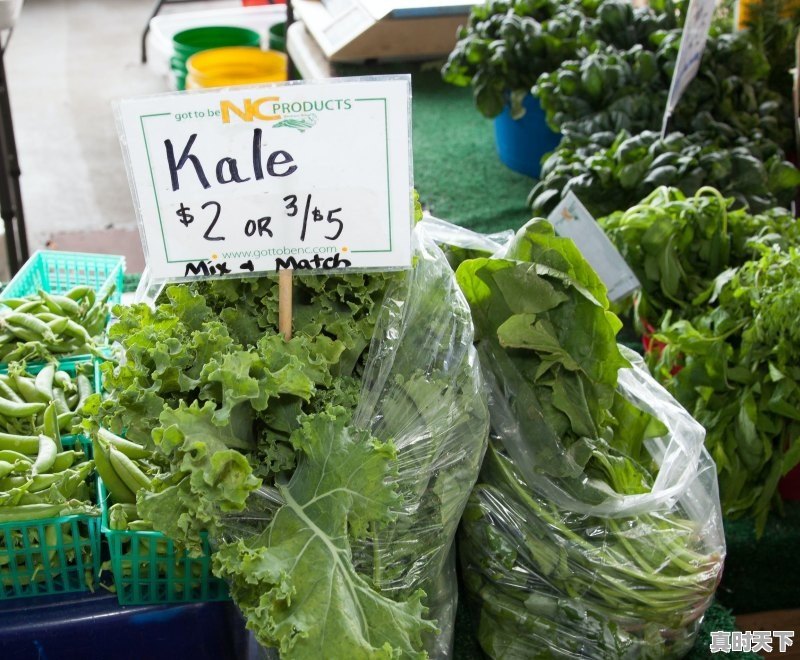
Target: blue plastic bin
(94, 627)
(521, 143)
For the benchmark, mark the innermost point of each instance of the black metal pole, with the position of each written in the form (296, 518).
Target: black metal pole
(10, 194)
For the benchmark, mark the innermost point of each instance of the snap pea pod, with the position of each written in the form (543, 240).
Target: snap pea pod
(46, 455)
(128, 471)
(9, 393)
(130, 449)
(50, 425)
(81, 292)
(60, 401)
(66, 459)
(13, 456)
(61, 304)
(27, 389)
(46, 324)
(14, 409)
(85, 390)
(27, 512)
(58, 325)
(116, 487)
(44, 382)
(63, 380)
(65, 421)
(25, 444)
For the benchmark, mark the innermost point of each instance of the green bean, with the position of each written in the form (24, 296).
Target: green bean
(6, 468)
(15, 409)
(46, 456)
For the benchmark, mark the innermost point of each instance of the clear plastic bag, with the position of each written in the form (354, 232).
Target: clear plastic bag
(574, 546)
(629, 576)
(422, 390)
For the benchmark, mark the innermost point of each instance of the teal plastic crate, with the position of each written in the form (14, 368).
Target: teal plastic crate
(58, 272)
(53, 555)
(149, 568)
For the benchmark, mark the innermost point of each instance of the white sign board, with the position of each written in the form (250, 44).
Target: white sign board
(693, 43)
(571, 220)
(257, 179)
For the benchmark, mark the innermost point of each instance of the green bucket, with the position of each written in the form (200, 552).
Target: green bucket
(188, 42)
(277, 37)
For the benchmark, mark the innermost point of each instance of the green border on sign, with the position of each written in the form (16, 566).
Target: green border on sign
(158, 205)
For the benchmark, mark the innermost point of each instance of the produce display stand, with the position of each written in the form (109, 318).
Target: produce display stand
(93, 626)
(155, 602)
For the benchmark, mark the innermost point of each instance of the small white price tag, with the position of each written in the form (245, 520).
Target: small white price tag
(571, 220)
(257, 179)
(693, 43)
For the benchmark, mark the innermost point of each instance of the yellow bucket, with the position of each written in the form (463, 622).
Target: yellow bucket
(235, 65)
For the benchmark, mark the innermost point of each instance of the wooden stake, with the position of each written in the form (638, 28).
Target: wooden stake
(285, 303)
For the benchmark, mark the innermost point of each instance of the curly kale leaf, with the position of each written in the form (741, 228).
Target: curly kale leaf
(295, 581)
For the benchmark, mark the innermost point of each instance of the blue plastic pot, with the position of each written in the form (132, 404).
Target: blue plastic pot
(521, 143)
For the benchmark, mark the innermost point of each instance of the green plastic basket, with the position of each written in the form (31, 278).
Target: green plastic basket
(45, 557)
(148, 568)
(58, 272)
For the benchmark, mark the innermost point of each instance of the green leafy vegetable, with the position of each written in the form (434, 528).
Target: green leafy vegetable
(734, 365)
(677, 246)
(295, 581)
(566, 544)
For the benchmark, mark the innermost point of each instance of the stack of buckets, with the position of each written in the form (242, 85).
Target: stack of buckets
(219, 56)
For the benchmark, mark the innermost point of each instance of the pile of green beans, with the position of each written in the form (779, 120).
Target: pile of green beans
(44, 325)
(24, 397)
(41, 480)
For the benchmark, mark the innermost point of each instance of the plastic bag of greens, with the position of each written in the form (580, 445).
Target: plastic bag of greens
(330, 472)
(595, 528)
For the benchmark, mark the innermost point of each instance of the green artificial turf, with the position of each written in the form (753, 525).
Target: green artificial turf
(456, 168)
(759, 573)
